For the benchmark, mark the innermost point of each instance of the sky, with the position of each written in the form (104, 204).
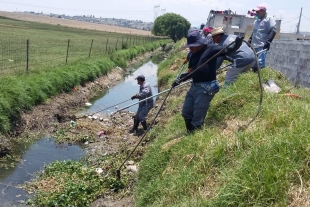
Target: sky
(195, 11)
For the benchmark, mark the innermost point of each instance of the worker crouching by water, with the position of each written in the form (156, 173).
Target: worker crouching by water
(144, 106)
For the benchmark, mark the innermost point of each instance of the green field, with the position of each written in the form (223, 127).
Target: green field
(54, 45)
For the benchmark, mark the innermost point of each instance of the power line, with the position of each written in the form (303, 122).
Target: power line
(306, 17)
(290, 21)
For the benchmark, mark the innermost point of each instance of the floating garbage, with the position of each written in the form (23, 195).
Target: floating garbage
(88, 104)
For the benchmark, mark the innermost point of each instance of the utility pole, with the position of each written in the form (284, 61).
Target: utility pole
(298, 25)
(227, 23)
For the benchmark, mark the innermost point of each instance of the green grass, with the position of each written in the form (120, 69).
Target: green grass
(226, 164)
(48, 45)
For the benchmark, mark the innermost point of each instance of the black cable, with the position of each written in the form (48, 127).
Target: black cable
(261, 92)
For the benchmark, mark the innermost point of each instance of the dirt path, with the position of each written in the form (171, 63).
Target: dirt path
(72, 23)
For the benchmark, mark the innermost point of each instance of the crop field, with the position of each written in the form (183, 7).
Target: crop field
(32, 46)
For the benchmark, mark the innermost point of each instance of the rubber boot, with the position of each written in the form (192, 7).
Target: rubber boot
(188, 125)
(143, 123)
(135, 126)
(193, 128)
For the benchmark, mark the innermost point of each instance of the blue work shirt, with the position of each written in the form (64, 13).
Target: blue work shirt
(262, 29)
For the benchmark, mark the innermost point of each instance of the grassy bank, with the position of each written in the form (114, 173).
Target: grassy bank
(227, 164)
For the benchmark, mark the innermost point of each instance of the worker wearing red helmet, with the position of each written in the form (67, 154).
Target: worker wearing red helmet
(207, 34)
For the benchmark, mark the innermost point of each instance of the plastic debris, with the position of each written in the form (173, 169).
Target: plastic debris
(88, 104)
(292, 95)
(132, 168)
(72, 123)
(101, 133)
(271, 86)
(99, 171)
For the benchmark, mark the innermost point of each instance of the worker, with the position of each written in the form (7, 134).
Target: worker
(204, 85)
(263, 33)
(145, 91)
(207, 34)
(242, 60)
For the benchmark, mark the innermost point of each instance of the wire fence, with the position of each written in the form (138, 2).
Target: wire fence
(26, 55)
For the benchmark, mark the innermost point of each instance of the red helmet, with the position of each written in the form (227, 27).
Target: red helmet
(207, 29)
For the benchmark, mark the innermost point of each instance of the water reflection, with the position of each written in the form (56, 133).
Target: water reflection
(33, 160)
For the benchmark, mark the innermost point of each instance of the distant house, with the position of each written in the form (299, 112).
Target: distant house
(233, 23)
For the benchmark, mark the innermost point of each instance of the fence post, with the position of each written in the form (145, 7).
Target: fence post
(91, 45)
(122, 42)
(116, 44)
(106, 46)
(27, 57)
(67, 51)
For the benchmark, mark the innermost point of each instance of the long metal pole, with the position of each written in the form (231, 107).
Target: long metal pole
(182, 84)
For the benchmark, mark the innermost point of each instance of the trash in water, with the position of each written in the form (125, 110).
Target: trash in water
(88, 104)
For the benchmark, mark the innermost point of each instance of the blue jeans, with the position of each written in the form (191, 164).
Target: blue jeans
(196, 104)
(261, 58)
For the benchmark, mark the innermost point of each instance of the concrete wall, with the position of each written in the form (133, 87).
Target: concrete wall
(292, 59)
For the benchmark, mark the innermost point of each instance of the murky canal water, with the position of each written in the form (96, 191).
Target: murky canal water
(42, 152)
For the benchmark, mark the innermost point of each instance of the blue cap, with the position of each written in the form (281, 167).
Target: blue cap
(140, 77)
(194, 39)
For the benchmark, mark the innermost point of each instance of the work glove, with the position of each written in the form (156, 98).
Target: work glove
(238, 41)
(266, 46)
(175, 83)
(135, 96)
